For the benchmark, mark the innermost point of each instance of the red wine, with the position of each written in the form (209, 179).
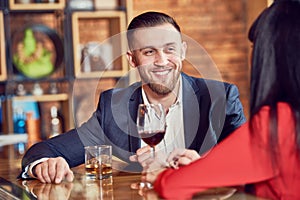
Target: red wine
(153, 138)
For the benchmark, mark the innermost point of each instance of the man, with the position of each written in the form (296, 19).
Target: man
(200, 112)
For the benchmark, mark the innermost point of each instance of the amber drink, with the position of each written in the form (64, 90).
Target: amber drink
(98, 161)
(105, 160)
(91, 161)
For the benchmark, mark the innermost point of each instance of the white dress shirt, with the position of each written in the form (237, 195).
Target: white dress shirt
(174, 136)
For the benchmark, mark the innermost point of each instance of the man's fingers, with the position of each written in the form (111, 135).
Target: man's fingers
(41, 171)
(133, 158)
(45, 172)
(52, 169)
(143, 150)
(62, 171)
(140, 154)
(69, 176)
(38, 173)
(61, 167)
(144, 157)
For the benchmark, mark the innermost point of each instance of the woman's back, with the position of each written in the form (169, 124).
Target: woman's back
(286, 183)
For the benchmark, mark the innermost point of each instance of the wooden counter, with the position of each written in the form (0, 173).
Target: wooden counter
(117, 187)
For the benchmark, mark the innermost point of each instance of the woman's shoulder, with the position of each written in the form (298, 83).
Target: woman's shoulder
(284, 114)
(282, 107)
(285, 119)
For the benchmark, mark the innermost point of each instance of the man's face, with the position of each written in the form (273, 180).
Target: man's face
(157, 52)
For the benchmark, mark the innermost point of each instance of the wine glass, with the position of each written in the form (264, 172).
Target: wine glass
(151, 126)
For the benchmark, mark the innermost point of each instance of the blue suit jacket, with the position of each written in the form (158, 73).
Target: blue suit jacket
(211, 111)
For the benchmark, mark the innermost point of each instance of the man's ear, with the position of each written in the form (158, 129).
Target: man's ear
(183, 50)
(131, 59)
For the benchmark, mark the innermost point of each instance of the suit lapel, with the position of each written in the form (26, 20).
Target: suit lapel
(191, 112)
(133, 103)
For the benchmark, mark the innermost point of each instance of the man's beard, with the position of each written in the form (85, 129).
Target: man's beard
(163, 88)
(160, 89)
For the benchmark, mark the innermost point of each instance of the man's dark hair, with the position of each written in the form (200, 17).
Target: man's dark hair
(149, 19)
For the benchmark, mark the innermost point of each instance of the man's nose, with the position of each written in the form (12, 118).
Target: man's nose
(161, 59)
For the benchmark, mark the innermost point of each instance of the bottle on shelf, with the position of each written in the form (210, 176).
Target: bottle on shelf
(37, 90)
(33, 129)
(20, 128)
(56, 122)
(20, 91)
(53, 89)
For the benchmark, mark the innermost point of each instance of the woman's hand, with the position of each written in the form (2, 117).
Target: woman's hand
(180, 157)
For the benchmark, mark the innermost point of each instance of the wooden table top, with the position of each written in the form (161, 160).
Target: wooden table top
(116, 187)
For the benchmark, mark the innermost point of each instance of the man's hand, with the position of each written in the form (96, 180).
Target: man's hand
(151, 165)
(143, 156)
(53, 170)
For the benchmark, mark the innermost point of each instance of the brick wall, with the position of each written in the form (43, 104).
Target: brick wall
(220, 27)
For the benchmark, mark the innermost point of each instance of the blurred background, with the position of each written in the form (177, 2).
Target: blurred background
(53, 53)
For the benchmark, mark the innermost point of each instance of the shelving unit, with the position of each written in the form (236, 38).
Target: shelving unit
(72, 27)
(76, 28)
(46, 21)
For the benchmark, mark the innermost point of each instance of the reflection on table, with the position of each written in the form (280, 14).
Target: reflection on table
(115, 187)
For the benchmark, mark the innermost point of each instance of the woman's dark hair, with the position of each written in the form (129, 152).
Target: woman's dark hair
(149, 19)
(275, 73)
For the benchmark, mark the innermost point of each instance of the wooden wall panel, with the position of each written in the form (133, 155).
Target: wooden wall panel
(221, 27)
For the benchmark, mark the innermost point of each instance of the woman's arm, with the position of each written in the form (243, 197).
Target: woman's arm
(234, 161)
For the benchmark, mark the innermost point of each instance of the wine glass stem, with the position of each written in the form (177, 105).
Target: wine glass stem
(153, 149)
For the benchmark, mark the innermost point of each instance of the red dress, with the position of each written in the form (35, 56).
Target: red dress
(240, 159)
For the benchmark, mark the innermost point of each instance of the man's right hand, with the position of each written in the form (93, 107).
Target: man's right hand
(53, 170)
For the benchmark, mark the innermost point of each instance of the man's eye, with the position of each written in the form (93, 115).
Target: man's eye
(171, 49)
(149, 52)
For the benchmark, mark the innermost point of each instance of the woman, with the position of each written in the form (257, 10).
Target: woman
(265, 152)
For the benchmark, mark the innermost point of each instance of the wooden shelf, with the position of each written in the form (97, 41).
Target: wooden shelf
(36, 6)
(44, 98)
(13, 138)
(112, 32)
(2, 50)
(98, 26)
